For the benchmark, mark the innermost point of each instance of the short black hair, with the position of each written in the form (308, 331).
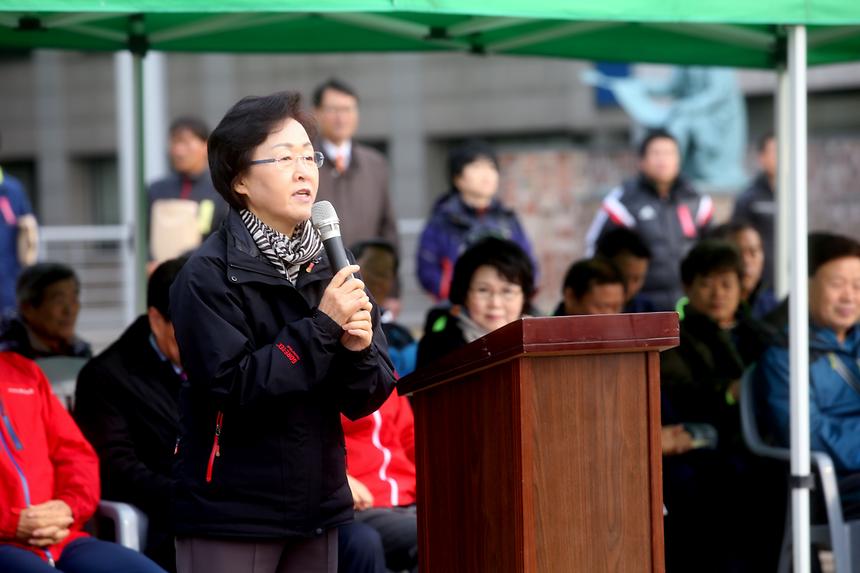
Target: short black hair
(469, 152)
(507, 257)
(826, 247)
(158, 286)
(586, 273)
(763, 140)
(34, 281)
(711, 256)
(335, 85)
(651, 137)
(245, 126)
(727, 231)
(193, 124)
(622, 240)
(359, 248)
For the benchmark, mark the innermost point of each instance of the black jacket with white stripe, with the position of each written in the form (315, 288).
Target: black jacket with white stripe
(670, 227)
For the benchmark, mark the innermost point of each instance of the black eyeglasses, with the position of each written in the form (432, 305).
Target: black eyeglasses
(287, 162)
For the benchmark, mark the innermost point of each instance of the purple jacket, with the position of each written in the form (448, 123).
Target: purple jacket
(452, 227)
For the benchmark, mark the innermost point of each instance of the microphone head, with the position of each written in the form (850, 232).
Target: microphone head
(324, 219)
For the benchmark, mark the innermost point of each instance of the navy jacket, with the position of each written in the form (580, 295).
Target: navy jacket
(261, 449)
(834, 405)
(452, 228)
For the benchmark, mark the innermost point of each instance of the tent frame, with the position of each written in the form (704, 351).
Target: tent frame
(740, 28)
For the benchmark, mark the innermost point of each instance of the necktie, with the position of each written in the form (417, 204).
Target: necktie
(340, 163)
(185, 193)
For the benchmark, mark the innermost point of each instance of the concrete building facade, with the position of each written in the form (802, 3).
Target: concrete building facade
(560, 150)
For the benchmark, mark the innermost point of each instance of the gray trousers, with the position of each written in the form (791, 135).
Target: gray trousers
(202, 555)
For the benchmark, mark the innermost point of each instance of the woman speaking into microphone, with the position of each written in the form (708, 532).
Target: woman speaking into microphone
(276, 344)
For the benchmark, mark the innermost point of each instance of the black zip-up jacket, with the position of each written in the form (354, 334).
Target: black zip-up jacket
(696, 375)
(126, 404)
(670, 227)
(756, 206)
(261, 450)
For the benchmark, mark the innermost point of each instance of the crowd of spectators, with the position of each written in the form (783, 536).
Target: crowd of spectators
(652, 247)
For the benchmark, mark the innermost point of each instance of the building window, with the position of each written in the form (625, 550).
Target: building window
(99, 187)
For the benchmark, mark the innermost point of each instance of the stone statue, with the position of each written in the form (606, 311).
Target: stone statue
(702, 107)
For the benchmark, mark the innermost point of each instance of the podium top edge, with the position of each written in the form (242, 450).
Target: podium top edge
(559, 335)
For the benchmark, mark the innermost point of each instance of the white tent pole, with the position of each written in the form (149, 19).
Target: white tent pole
(783, 177)
(141, 243)
(798, 301)
(126, 142)
(155, 115)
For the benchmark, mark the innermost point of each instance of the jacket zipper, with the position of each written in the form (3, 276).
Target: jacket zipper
(25, 486)
(17, 442)
(216, 446)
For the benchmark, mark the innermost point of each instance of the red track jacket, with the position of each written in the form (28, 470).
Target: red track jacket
(380, 452)
(43, 455)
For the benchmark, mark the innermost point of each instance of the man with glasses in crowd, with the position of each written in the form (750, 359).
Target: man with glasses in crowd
(354, 177)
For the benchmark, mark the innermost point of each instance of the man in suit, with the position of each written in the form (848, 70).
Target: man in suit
(354, 177)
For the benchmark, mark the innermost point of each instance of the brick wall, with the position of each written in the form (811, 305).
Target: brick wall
(557, 191)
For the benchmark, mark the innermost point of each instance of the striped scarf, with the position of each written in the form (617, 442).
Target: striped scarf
(287, 254)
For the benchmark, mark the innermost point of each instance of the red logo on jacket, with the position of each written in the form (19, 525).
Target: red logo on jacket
(288, 351)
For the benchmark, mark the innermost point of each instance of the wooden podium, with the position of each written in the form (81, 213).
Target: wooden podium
(538, 448)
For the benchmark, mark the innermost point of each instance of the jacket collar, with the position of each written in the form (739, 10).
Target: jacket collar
(245, 262)
(824, 339)
(354, 155)
(699, 323)
(679, 188)
(180, 177)
(454, 208)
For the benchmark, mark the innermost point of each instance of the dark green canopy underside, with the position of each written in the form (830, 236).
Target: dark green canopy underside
(742, 33)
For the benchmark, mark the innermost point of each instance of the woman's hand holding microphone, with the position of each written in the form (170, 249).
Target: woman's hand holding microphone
(346, 303)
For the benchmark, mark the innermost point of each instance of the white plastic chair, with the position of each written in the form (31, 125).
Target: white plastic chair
(130, 524)
(841, 537)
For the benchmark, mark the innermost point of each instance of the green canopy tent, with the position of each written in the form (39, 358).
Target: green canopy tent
(727, 32)
(775, 34)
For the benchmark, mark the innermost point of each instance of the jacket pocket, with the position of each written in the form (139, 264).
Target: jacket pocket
(216, 446)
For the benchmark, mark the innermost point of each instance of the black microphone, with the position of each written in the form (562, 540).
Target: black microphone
(325, 221)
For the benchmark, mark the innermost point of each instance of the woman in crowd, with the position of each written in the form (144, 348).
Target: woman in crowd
(276, 344)
(757, 295)
(469, 212)
(492, 285)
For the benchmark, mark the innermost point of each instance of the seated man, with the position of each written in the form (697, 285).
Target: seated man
(380, 455)
(592, 286)
(126, 405)
(602, 293)
(721, 488)
(700, 377)
(834, 362)
(48, 299)
(50, 483)
(629, 253)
